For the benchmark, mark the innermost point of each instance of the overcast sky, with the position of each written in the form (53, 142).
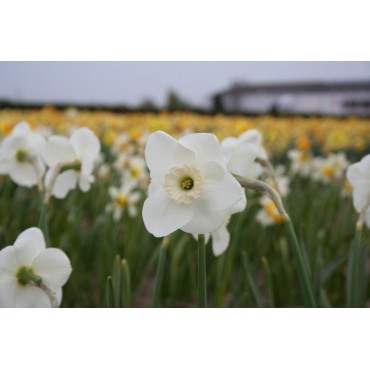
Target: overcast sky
(132, 82)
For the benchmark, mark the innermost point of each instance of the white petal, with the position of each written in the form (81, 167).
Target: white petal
(23, 174)
(240, 205)
(220, 240)
(251, 136)
(4, 167)
(367, 219)
(10, 260)
(35, 143)
(220, 189)
(21, 128)
(37, 237)
(27, 246)
(84, 182)
(30, 297)
(242, 158)
(205, 146)
(10, 145)
(163, 216)
(85, 144)
(7, 293)
(359, 171)
(204, 220)
(58, 149)
(361, 195)
(113, 192)
(162, 152)
(53, 266)
(65, 182)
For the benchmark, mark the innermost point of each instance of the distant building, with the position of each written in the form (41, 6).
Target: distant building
(335, 98)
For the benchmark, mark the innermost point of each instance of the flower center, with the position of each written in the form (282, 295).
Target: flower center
(21, 155)
(183, 184)
(25, 275)
(273, 212)
(122, 200)
(187, 183)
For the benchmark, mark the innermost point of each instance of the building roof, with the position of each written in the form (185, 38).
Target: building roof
(297, 87)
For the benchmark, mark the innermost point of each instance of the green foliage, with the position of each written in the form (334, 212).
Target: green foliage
(257, 270)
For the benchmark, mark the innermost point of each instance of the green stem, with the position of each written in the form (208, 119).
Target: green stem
(303, 273)
(202, 278)
(159, 274)
(126, 284)
(357, 273)
(43, 223)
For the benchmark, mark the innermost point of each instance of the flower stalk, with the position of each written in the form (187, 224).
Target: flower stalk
(303, 270)
(356, 294)
(202, 273)
(160, 272)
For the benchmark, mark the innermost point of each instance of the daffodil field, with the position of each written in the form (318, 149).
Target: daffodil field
(102, 209)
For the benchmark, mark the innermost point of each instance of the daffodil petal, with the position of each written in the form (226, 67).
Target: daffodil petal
(53, 266)
(220, 189)
(163, 216)
(30, 297)
(220, 240)
(361, 195)
(37, 237)
(206, 147)
(23, 174)
(204, 220)
(65, 182)
(85, 143)
(162, 152)
(242, 160)
(7, 293)
(359, 171)
(58, 149)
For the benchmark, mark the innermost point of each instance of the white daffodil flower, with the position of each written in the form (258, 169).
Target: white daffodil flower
(30, 274)
(241, 154)
(191, 188)
(358, 175)
(20, 156)
(268, 214)
(70, 161)
(124, 197)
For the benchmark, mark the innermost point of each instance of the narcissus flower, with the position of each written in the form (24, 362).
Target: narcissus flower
(124, 197)
(71, 161)
(241, 154)
(191, 188)
(358, 175)
(269, 214)
(20, 156)
(30, 274)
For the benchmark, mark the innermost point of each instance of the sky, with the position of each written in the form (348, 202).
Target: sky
(132, 82)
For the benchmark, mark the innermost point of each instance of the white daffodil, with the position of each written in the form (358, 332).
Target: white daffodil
(268, 214)
(191, 188)
(133, 168)
(30, 274)
(241, 154)
(70, 161)
(125, 197)
(301, 162)
(358, 175)
(330, 168)
(20, 156)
